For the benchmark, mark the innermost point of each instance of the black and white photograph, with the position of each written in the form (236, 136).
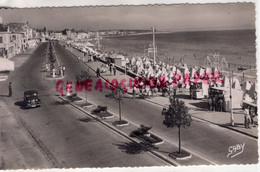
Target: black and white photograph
(162, 85)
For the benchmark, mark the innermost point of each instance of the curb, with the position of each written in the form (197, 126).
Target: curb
(121, 133)
(220, 125)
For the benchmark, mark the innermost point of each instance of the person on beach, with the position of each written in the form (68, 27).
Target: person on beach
(10, 89)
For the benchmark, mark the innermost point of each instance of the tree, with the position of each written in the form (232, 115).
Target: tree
(118, 96)
(176, 115)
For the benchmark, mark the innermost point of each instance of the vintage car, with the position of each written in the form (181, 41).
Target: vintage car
(31, 99)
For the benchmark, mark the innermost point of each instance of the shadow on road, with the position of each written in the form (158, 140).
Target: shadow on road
(236, 125)
(60, 102)
(181, 96)
(203, 106)
(4, 95)
(20, 103)
(134, 148)
(86, 119)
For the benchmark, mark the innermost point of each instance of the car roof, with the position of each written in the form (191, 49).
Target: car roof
(30, 92)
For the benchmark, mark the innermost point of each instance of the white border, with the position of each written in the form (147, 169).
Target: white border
(74, 3)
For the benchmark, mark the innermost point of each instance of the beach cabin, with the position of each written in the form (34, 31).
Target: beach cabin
(198, 90)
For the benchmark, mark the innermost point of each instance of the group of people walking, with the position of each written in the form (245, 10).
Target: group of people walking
(216, 103)
(111, 66)
(249, 114)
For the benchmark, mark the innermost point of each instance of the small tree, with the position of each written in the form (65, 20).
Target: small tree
(176, 115)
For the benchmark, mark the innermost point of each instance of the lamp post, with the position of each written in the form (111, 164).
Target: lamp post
(153, 46)
(230, 96)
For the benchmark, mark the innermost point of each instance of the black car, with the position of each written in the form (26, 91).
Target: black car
(31, 99)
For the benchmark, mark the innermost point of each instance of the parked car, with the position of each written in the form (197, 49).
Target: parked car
(31, 99)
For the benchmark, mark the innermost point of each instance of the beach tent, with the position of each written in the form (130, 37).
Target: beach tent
(201, 71)
(226, 82)
(178, 71)
(208, 70)
(192, 73)
(236, 84)
(174, 69)
(158, 73)
(186, 71)
(163, 70)
(88, 44)
(246, 86)
(247, 98)
(252, 90)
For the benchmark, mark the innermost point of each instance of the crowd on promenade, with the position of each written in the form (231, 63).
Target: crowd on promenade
(152, 78)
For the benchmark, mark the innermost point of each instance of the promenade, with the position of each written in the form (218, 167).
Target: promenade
(198, 108)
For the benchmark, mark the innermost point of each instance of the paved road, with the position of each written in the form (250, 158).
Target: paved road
(203, 139)
(55, 128)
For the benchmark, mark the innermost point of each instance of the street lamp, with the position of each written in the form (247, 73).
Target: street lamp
(230, 96)
(153, 46)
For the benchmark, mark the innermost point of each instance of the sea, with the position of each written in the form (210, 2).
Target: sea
(238, 47)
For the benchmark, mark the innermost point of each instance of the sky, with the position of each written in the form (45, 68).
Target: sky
(165, 17)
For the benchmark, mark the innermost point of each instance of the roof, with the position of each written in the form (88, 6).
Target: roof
(30, 92)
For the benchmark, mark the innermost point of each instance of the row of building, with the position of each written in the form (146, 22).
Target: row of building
(16, 38)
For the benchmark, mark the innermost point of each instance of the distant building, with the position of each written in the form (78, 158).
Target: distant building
(14, 38)
(7, 42)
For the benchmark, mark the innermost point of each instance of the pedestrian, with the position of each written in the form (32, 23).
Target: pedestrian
(10, 89)
(78, 59)
(210, 104)
(63, 68)
(191, 92)
(247, 118)
(114, 70)
(110, 68)
(252, 114)
(98, 72)
(220, 104)
(214, 103)
(134, 92)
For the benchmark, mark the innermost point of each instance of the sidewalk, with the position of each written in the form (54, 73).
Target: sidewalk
(19, 59)
(198, 108)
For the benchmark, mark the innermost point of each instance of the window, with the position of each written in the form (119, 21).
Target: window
(1, 39)
(2, 50)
